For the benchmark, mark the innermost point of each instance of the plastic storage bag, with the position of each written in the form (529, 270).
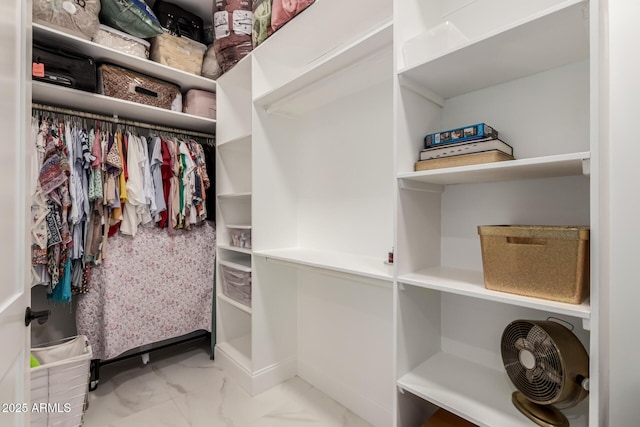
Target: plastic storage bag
(261, 21)
(181, 53)
(69, 16)
(232, 22)
(210, 67)
(284, 10)
(123, 42)
(131, 16)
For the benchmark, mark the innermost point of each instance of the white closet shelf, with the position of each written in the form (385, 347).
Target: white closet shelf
(571, 164)
(353, 67)
(234, 196)
(239, 74)
(233, 303)
(475, 392)
(555, 37)
(59, 96)
(238, 350)
(237, 141)
(101, 54)
(235, 249)
(471, 283)
(355, 265)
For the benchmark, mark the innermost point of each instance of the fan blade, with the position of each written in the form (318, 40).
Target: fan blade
(551, 372)
(531, 375)
(538, 336)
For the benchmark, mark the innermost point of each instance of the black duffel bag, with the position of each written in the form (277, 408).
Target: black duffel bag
(64, 68)
(179, 21)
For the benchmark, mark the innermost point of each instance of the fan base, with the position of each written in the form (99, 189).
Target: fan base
(543, 415)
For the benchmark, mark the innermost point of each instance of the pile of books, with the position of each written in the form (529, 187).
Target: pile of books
(469, 145)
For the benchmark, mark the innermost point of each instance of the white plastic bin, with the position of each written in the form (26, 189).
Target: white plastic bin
(60, 384)
(240, 236)
(236, 282)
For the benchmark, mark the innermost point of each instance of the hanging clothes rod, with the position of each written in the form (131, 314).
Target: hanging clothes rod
(115, 119)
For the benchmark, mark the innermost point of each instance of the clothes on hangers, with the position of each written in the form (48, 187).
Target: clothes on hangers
(91, 182)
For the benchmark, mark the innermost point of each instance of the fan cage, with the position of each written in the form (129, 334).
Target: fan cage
(544, 382)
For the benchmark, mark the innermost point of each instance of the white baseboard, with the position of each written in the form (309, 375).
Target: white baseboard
(255, 382)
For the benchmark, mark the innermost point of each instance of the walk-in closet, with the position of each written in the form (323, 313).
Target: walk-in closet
(389, 213)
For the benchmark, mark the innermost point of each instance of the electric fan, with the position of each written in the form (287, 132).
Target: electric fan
(549, 367)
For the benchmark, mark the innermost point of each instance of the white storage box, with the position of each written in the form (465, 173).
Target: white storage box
(60, 384)
(123, 42)
(236, 282)
(240, 236)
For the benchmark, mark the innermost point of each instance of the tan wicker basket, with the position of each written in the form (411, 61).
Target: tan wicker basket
(125, 84)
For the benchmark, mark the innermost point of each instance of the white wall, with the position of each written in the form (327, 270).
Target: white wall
(624, 203)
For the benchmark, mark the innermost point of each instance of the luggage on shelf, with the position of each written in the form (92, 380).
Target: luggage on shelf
(133, 17)
(62, 67)
(123, 42)
(179, 21)
(210, 67)
(72, 17)
(233, 22)
(181, 53)
(283, 11)
(131, 86)
(200, 103)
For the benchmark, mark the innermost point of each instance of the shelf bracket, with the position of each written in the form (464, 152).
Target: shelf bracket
(410, 184)
(401, 390)
(586, 324)
(401, 286)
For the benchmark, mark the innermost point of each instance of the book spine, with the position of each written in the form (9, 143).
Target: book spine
(468, 133)
(475, 146)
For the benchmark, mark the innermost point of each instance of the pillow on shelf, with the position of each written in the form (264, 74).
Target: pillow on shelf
(284, 10)
(131, 16)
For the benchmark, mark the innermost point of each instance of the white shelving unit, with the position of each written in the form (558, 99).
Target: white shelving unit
(460, 386)
(286, 115)
(234, 320)
(447, 324)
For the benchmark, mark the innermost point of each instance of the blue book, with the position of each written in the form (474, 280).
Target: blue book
(467, 133)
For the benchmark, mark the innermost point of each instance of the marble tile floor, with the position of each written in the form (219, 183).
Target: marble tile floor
(182, 387)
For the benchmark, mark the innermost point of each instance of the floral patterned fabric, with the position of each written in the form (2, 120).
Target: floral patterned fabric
(151, 287)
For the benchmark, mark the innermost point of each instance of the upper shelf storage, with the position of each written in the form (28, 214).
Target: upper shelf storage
(549, 39)
(100, 54)
(328, 36)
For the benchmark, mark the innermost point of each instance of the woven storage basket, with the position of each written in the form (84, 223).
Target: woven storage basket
(60, 384)
(125, 84)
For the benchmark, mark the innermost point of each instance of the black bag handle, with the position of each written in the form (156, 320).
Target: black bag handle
(145, 91)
